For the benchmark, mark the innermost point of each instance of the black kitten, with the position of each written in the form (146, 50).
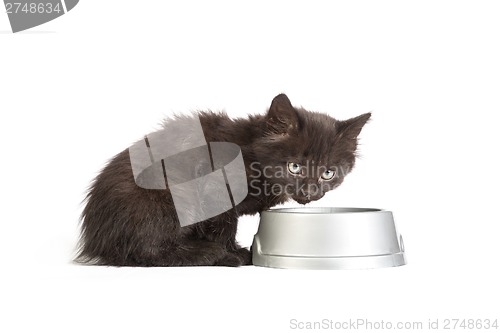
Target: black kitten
(289, 153)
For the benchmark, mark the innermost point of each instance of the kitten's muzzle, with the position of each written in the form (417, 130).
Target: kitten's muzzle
(303, 199)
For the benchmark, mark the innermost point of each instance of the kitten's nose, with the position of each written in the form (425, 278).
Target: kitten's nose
(310, 189)
(307, 193)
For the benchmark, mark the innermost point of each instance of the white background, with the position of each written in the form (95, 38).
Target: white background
(79, 89)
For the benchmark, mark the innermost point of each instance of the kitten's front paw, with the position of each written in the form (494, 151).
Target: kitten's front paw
(230, 259)
(245, 255)
(241, 257)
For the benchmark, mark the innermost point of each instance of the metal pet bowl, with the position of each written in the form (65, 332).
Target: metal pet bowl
(327, 238)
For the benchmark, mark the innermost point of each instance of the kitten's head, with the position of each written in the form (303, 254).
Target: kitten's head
(304, 154)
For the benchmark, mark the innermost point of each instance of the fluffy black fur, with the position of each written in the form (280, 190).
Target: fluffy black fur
(126, 225)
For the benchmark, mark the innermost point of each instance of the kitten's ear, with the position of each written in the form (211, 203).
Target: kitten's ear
(351, 128)
(282, 118)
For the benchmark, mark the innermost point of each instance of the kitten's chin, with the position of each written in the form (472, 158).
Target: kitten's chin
(301, 200)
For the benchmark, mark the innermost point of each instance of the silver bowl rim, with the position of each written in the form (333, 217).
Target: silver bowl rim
(324, 210)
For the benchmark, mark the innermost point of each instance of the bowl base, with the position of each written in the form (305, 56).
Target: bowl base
(295, 262)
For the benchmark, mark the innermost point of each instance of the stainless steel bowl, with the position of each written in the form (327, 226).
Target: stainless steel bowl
(328, 238)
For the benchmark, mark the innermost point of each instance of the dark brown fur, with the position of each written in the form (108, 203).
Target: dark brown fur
(126, 225)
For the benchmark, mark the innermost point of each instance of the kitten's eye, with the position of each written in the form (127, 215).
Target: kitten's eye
(328, 174)
(294, 168)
